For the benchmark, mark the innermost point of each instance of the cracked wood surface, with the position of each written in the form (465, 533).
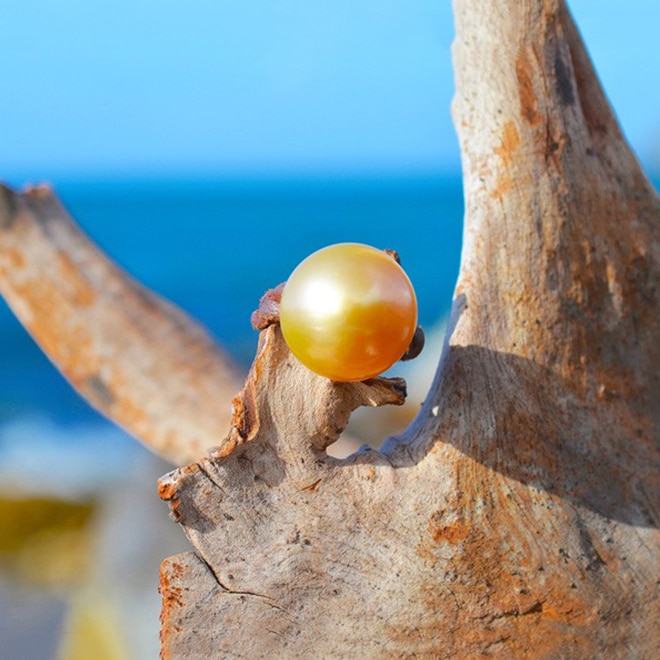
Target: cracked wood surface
(518, 516)
(133, 356)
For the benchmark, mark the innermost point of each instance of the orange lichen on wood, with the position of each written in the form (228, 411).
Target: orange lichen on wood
(510, 142)
(452, 532)
(529, 105)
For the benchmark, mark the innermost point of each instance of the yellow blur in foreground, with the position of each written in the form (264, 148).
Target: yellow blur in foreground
(92, 629)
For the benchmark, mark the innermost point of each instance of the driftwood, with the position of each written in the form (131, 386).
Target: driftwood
(518, 516)
(133, 356)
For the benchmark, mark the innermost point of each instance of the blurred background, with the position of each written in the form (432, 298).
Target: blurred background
(181, 137)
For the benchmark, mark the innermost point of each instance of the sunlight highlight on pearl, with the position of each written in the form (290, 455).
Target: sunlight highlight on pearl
(348, 312)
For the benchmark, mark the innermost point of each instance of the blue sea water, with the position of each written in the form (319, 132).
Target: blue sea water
(214, 247)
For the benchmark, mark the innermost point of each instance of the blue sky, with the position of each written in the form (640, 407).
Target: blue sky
(149, 87)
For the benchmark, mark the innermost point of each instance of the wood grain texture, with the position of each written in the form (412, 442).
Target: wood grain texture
(518, 517)
(133, 356)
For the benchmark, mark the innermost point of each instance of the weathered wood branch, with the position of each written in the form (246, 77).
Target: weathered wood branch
(518, 516)
(132, 355)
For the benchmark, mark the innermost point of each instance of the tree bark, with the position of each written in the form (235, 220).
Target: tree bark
(518, 515)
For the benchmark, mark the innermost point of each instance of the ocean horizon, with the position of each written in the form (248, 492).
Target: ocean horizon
(214, 246)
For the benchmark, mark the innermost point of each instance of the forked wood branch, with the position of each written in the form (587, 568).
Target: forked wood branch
(518, 516)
